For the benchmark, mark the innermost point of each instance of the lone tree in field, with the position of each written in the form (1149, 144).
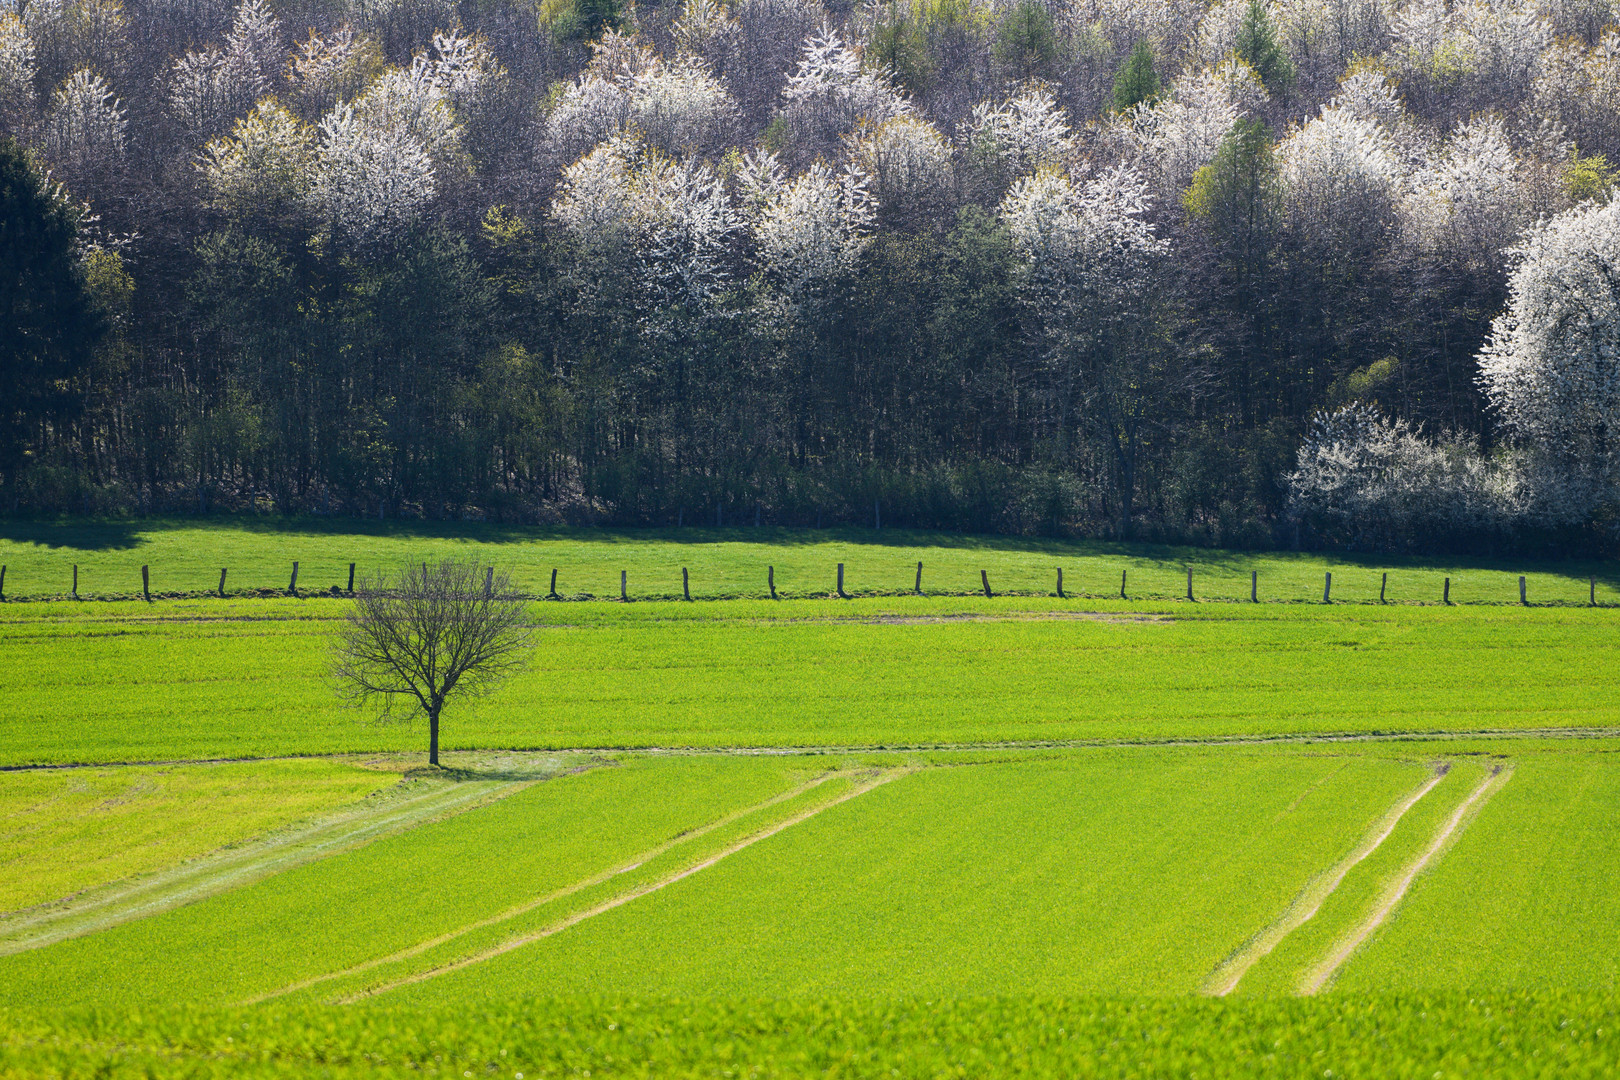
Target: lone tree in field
(435, 629)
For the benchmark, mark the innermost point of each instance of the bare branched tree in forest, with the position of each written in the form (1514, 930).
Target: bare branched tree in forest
(434, 629)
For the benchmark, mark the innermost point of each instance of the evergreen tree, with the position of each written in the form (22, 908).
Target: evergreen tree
(50, 324)
(1138, 80)
(1257, 46)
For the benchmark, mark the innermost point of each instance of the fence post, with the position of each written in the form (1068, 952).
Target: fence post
(623, 592)
(984, 576)
(2, 582)
(1327, 588)
(1445, 597)
(686, 588)
(770, 579)
(1189, 583)
(292, 586)
(1122, 574)
(1522, 600)
(351, 579)
(146, 583)
(1060, 583)
(1254, 586)
(1383, 585)
(489, 582)
(842, 595)
(552, 595)
(917, 588)
(1591, 596)
(222, 582)
(75, 581)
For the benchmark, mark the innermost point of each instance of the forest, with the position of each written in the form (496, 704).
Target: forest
(1320, 273)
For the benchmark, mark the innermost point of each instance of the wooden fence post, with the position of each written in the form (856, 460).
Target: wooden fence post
(292, 586)
(623, 592)
(770, 579)
(917, 588)
(842, 595)
(1445, 597)
(552, 595)
(1327, 588)
(1122, 574)
(984, 576)
(1522, 600)
(489, 582)
(146, 583)
(1189, 583)
(1254, 586)
(686, 588)
(1382, 586)
(75, 581)
(1060, 583)
(351, 579)
(222, 582)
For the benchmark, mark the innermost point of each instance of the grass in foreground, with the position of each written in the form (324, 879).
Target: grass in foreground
(1448, 1036)
(191, 679)
(186, 555)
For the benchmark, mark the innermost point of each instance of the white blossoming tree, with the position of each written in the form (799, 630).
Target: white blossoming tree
(261, 170)
(1175, 137)
(370, 180)
(1551, 367)
(208, 89)
(830, 93)
(17, 72)
(808, 230)
(1089, 258)
(1001, 143)
(86, 130)
(909, 163)
(333, 68)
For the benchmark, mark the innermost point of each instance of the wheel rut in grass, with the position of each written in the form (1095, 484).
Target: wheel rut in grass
(566, 891)
(1322, 974)
(1225, 978)
(605, 906)
(355, 827)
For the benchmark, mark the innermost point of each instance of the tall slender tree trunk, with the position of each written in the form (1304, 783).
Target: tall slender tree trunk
(433, 737)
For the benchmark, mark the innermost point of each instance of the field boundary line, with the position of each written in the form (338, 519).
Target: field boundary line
(565, 891)
(237, 867)
(1319, 976)
(813, 749)
(625, 898)
(1225, 978)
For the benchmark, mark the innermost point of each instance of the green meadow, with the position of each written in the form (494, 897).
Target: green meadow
(948, 835)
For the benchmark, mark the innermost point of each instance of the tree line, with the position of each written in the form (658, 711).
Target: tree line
(1308, 271)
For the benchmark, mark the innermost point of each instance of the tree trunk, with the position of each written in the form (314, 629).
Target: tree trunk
(433, 737)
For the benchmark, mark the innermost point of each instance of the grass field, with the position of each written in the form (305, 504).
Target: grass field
(185, 557)
(917, 836)
(184, 680)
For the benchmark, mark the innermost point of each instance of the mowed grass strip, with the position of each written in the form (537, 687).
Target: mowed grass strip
(1525, 898)
(1104, 871)
(185, 557)
(333, 914)
(65, 831)
(166, 685)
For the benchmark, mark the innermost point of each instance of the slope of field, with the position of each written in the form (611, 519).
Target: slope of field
(185, 557)
(396, 892)
(193, 679)
(1100, 871)
(1525, 899)
(64, 831)
(1452, 1036)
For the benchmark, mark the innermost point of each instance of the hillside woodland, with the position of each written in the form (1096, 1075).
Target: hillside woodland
(1308, 272)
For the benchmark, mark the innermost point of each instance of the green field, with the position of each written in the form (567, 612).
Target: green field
(918, 836)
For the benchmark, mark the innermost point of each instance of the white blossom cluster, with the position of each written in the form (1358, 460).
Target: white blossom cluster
(263, 167)
(1089, 236)
(208, 88)
(1580, 87)
(1372, 483)
(1493, 47)
(830, 93)
(17, 71)
(86, 128)
(1175, 137)
(907, 159)
(1468, 202)
(1551, 367)
(810, 229)
(1338, 158)
(327, 69)
(1022, 135)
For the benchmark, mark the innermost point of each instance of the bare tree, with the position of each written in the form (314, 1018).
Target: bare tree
(412, 640)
